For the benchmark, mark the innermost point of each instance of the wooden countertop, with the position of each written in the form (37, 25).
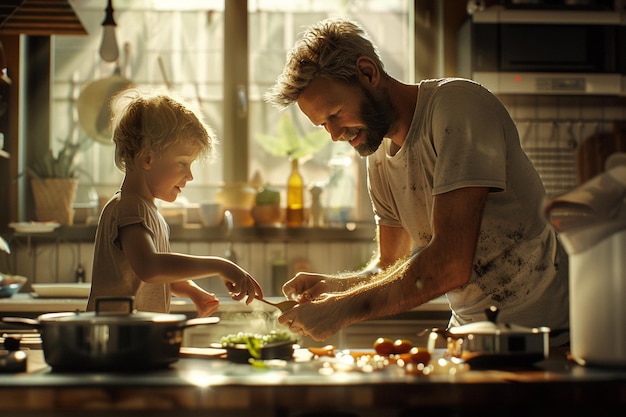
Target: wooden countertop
(195, 387)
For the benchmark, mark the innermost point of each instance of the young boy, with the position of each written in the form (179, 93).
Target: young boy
(157, 138)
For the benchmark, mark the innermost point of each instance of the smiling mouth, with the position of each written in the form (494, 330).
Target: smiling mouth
(354, 139)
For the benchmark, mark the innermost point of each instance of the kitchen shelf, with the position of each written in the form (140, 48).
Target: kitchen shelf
(362, 232)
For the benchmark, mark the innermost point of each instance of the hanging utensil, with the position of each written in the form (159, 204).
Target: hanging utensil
(4, 246)
(166, 80)
(4, 77)
(93, 102)
(5, 89)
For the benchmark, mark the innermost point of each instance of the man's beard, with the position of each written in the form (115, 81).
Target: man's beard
(378, 115)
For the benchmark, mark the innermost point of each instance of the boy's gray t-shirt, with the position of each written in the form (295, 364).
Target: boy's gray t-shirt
(112, 275)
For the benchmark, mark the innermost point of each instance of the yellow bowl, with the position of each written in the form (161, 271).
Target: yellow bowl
(269, 214)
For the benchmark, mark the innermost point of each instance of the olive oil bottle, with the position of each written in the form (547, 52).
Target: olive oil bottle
(295, 196)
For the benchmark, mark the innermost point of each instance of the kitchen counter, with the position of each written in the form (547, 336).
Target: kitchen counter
(213, 386)
(236, 314)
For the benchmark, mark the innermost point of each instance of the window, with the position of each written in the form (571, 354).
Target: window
(187, 36)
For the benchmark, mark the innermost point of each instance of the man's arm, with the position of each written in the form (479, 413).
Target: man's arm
(443, 265)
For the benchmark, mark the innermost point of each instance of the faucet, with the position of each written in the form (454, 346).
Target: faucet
(230, 252)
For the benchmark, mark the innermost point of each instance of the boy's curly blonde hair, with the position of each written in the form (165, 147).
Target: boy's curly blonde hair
(153, 121)
(330, 49)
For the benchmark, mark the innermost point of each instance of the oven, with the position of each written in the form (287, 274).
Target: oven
(555, 51)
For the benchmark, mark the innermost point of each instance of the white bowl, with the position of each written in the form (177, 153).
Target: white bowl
(211, 214)
(62, 290)
(34, 227)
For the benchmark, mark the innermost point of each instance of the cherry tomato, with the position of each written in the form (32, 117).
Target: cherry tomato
(383, 346)
(419, 355)
(328, 350)
(402, 346)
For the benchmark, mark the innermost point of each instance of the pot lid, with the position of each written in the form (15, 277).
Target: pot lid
(102, 316)
(491, 327)
(486, 327)
(111, 318)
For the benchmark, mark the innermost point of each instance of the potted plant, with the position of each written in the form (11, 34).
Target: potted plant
(54, 180)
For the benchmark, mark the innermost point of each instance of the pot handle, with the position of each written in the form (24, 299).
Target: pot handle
(130, 301)
(200, 321)
(22, 320)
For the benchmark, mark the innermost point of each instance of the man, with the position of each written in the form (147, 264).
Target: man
(457, 201)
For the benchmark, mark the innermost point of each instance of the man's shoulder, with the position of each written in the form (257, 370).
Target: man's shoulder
(449, 84)
(449, 93)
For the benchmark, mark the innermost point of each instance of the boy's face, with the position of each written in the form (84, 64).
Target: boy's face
(168, 173)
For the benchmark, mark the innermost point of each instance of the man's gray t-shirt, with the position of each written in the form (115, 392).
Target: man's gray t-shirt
(462, 136)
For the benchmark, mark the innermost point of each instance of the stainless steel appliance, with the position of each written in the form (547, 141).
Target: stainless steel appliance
(530, 51)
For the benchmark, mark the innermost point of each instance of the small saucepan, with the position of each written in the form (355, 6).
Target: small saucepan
(488, 344)
(105, 341)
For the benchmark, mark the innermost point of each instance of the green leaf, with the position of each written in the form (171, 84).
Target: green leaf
(289, 143)
(63, 165)
(254, 345)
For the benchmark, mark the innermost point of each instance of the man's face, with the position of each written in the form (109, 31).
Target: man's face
(377, 115)
(348, 112)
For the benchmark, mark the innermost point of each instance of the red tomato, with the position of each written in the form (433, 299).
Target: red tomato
(402, 346)
(419, 355)
(383, 346)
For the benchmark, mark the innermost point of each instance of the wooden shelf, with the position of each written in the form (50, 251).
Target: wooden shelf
(365, 232)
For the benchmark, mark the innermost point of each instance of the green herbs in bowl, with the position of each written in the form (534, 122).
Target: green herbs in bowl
(242, 347)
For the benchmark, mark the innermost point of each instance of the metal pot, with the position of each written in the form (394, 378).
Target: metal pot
(104, 341)
(488, 344)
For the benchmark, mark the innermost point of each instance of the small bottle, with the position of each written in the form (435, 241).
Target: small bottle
(279, 273)
(295, 196)
(80, 273)
(316, 218)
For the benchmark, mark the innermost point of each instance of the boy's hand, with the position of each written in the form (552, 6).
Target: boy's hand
(206, 305)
